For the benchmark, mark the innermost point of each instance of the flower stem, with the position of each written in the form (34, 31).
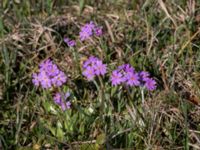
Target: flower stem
(142, 93)
(76, 58)
(101, 95)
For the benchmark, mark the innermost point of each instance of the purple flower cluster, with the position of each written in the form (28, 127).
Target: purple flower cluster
(49, 75)
(146, 81)
(93, 66)
(60, 99)
(126, 74)
(70, 43)
(88, 30)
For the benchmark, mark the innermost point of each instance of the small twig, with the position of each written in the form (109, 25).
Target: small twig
(110, 31)
(162, 4)
(186, 44)
(126, 130)
(83, 142)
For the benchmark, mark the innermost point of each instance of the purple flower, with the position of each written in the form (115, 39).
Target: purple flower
(84, 35)
(116, 78)
(150, 84)
(60, 99)
(88, 30)
(93, 66)
(45, 80)
(129, 68)
(98, 31)
(48, 67)
(66, 105)
(45, 64)
(100, 68)
(90, 61)
(146, 81)
(36, 79)
(66, 40)
(125, 74)
(132, 79)
(70, 43)
(49, 75)
(57, 98)
(67, 94)
(144, 75)
(60, 79)
(126, 68)
(89, 73)
(52, 70)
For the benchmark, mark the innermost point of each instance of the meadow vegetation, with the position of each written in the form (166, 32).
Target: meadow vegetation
(123, 74)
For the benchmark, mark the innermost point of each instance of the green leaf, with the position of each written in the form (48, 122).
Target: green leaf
(82, 128)
(81, 5)
(101, 139)
(1, 27)
(89, 146)
(59, 133)
(53, 130)
(49, 6)
(113, 90)
(47, 106)
(5, 2)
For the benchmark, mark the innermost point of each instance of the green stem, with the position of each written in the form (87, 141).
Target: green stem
(102, 100)
(100, 92)
(136, 107)
(142, 93)
(76, 59)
